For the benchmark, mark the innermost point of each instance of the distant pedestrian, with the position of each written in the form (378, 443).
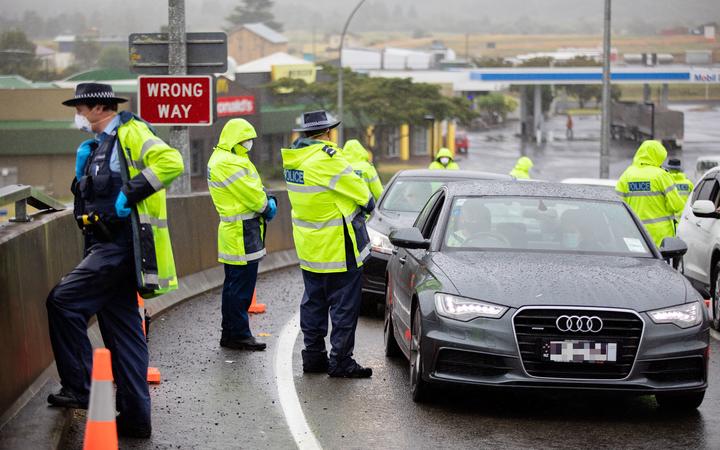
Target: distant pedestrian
(569, 128)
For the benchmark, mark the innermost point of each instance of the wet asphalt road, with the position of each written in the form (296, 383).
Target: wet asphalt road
(216, 398)
(212, 397)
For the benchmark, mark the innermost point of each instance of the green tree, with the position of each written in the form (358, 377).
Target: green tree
(496, 105)
(113, 58)
(489, 61)
(17, 55)
(377, 101)
(252, 11)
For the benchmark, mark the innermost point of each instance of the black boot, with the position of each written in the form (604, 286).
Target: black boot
(314, 362)
(65, 398)
(127, 428)
(243, 344)
(354, 370)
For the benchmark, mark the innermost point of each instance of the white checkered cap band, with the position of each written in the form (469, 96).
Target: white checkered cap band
(107, 94)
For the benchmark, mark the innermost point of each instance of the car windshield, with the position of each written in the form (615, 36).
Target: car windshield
(543, 224)
(410, 195)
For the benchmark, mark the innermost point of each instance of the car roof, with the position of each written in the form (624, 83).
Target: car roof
(591, 181)
(548, 189)
(712, 158)
(460, 174)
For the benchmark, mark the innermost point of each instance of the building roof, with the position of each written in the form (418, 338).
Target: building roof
(265, 63)
(264, 32)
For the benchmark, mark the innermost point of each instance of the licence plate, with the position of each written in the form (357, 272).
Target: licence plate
(575, 351)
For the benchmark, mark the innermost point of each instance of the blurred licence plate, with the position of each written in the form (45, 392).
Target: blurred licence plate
(575, 351)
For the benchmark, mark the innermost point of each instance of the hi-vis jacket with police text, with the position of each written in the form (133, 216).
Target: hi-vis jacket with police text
(650, 191)
(682, 183)
(359, 159)
(152, 165)
(444, 153)
(326, 198)
(238, 195)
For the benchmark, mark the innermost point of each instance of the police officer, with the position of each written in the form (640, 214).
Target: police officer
(244, 208)
(650, 191)
(119, 187)
(329, 202)
(444, 160)
(682, 183)
(521, 171)
(359, 159)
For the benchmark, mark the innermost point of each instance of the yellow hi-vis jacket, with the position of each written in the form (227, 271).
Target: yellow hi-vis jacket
(650, 191)
(444, 152)
(238, 195)
(326, 198)
(521, 171)
(683, 185)
(152, 165)
(359, 159)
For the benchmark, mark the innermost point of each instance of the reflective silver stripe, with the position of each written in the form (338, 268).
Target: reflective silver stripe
(334, 180)
(305, 189)
(640, 194)
(364, 253)
(317, 225)
(152, 278)
(670, 188)
(140, 162)
(240, 258)
(375, 178)
(101, 407)
(323, 265)
(160, 223)
(239, 217)
(153, 179)
(229, 180)
(657, 220)
(354, 214)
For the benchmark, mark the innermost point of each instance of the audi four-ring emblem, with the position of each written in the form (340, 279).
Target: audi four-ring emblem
(579, 324)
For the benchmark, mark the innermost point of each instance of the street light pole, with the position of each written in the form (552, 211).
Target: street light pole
(605, 127)
(177, 65)
(340, 73)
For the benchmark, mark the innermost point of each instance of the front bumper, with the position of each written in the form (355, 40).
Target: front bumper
(374, 271)
(485, 352)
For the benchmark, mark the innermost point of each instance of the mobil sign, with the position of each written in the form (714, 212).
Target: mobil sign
(176, 100)
(243, 105)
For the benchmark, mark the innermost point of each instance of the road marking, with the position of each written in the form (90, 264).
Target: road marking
(715, 335)
(289, 401)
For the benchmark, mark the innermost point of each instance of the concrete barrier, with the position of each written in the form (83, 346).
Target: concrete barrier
(34, 256)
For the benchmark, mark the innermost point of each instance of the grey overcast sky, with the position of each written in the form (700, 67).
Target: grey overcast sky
(477, 16)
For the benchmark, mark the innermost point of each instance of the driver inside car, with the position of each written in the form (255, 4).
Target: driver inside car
(472, 226)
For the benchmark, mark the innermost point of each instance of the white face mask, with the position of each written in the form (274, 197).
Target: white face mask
(444, 161)
(247, 144)
(82, 123)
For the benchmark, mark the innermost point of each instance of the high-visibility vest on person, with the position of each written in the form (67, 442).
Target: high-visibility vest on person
(326, 198)
(159, 164)
(359, 159)
(238, 195)
(444, 153)
(521, 171)
(683, 185)
(650, 191)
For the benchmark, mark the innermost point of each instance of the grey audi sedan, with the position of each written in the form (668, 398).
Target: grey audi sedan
(543, 285)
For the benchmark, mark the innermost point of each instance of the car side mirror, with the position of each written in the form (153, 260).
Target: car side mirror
(706, 209)
(409, 238)
(673, 248)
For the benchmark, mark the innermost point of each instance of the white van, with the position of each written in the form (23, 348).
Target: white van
(705, 163)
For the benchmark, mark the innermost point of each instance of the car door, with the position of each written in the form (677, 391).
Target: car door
(405, 267)
(697, 233)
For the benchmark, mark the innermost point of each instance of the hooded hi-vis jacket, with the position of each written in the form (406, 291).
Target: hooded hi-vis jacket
(650, 191)
(521, 171)
(327, 199)
(238, 195)
(359, 159)
(444, 153)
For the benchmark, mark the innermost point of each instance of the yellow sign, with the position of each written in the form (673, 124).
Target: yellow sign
(305, 72)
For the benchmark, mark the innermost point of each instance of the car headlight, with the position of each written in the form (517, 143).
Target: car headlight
(685, 316)
(466, 309)
(379, 242)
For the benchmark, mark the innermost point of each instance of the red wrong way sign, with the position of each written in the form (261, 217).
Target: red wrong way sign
(176, 100)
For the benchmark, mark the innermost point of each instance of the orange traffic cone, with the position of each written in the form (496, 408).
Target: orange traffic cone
(101, 431)
(255, 307)
(153, 373)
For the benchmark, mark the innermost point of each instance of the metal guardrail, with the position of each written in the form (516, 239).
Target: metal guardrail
(23, 195)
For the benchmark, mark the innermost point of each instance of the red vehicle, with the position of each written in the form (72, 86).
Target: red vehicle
(461, 143)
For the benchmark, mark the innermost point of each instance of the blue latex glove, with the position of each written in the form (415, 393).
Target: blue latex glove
(83, 153)
(121, 208)
(271, 209)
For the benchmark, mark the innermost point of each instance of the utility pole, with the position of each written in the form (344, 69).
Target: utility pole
(340, 73)
(177, 65)
(605, 127)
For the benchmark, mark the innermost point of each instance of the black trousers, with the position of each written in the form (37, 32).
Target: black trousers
(103, 284)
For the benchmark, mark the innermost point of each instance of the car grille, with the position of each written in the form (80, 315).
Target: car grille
(533, 327)
(676, 370)
(470, 364)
